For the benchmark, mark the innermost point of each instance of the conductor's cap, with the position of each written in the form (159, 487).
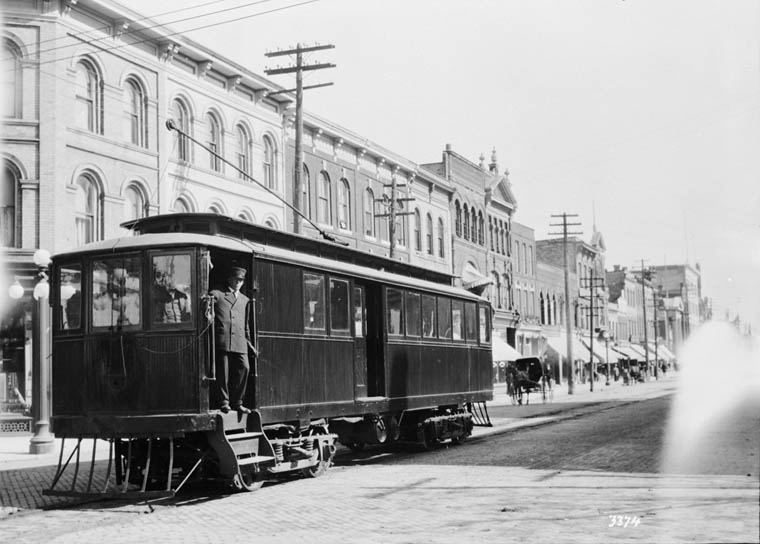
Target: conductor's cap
(237, 272)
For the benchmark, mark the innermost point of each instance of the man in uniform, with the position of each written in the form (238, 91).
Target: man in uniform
(233, 339)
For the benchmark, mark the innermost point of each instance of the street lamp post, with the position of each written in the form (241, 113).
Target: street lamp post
(42, 441)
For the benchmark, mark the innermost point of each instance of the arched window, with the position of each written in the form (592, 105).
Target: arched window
(182, 117)
(269, 163)
(11, 86)
(134, 202)
(270, 224)
(519, 259)
(417, 230)
(306, 192)
(181, 205)
(214, 208)
(474, 226)
(8, 204)
(480, 228)
(530, 260)
(89, 101)
(324, 205)
(542, 317)
(458, 219)
(344, 205)
(87, 211)
(369, 215)
(495, 297)
(466, 226)
(214, 142)
(490, 233)
(243, 140)
(441, 238)
(429, 234)
(136, 114)
(381, 209)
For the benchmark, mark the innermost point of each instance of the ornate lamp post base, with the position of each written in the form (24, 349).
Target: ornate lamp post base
(42, 441)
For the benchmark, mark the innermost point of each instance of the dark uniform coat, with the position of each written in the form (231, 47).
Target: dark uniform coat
(231, 321)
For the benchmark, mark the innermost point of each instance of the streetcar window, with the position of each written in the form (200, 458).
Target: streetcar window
(314, 302)
(70, 299)
(116, 292)
(394, 305)
(359, 311)
(471, 322)
(457, 319)
(485, 325)
(428, 316)
(339, 305)
(171, 289)
(412, 314)
(444, 318)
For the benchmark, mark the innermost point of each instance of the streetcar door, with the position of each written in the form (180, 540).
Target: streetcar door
(360, 342)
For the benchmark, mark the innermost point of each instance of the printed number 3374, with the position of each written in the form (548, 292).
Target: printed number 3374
(624, 521)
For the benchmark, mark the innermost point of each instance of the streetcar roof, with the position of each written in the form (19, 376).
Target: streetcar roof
(277, 254)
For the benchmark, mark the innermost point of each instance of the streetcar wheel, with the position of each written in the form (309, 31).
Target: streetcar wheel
(248, 480)
(326, 454)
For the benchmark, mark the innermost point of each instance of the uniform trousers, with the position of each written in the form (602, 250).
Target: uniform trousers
(232, 377)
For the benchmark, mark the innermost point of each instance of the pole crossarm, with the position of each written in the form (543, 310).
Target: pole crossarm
(298, 49)
(316, 86)
(299, 68)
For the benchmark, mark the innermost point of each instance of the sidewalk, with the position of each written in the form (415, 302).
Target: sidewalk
(14, 448)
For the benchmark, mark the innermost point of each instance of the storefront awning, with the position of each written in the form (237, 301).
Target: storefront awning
(599, 351)
(559, 344)
(639, 350)
(501, 351)
(665, 353)
(472, 280)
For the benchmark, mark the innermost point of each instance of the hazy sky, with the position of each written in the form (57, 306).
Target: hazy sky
(646, 110)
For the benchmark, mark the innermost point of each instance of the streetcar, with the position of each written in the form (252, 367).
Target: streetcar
(350, 347)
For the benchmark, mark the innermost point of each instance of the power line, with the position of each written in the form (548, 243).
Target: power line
(109, 27)
(171, 34)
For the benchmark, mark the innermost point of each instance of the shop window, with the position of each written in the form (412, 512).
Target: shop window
(314, 302)
(116, 292)
(172, 288)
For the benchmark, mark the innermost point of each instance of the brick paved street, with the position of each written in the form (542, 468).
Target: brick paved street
(411, 503)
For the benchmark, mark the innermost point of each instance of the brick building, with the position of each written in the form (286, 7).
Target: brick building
(481, 207)
(89, 87)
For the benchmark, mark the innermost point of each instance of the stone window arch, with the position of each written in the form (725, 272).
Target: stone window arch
(11, 81)
(88, 92)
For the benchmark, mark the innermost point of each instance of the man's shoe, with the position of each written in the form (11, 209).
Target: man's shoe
(242, 409)
(225, 408)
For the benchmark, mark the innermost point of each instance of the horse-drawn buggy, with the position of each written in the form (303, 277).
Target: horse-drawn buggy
(528, 375)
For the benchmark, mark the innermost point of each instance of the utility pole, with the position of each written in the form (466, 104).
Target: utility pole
(592, 283)
(298, 69)
(392, 213)
(656, 299)
(568, 322)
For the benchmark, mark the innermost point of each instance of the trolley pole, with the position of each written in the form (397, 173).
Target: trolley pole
(298, 69)
(568, 315)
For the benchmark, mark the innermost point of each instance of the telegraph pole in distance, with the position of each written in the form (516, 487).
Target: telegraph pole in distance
(568, 322)
(298, 69)
(592, 283)
(644, 308)
(391, 213)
